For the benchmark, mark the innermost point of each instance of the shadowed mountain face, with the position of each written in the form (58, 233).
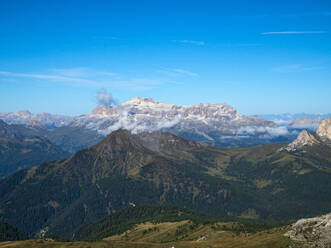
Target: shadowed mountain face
(155, 168)
(72, 139)
(20, 148)
(10, 233)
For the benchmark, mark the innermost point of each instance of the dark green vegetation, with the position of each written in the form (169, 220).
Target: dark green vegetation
(7, 232)
(20, 148)
(160, 168)
(127, 218)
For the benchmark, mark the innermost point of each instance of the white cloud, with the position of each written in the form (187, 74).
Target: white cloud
(185, 72)
(311, 126)
(47, 77)
(175, 72)
(83, 72)
(266, 132)
(86, 77)
(193, 42)
(295, 32)
(295, 68)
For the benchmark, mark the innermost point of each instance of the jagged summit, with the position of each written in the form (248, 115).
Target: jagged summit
(324, 130)
(201, 122)
(120, 139)
(24, 112)
(304, 139)
(140, 100)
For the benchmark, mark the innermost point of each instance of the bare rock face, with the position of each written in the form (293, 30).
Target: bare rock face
(203, 122)
(304, 139)
(324, 130)
(312, 232)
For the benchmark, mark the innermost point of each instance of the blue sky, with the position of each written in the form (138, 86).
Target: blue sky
(258, 56)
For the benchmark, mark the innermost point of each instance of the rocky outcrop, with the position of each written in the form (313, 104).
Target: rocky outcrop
(304, 139)
(312, 232)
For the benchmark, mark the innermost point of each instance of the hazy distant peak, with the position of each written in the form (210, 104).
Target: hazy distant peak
(24, 112)
(45, 119)
(324, 130)
(34, 123)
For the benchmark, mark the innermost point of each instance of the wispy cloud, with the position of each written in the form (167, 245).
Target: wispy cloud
(176, 72)
(295, 68)
(46, 77)
(193, 42)
(105, 37)
(295, 32)
(80, 78)
(83, 72)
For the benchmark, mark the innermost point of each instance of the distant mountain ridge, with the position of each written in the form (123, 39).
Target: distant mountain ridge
(21, 148)
(217, 124)
(287, 118)
(45, 119)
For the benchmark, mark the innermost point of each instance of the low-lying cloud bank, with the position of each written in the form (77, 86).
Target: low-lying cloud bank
(266, 132)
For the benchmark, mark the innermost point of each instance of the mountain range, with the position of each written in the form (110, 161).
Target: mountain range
(266, 182)
(288, 118)
(216, 124)
(20, 148)
(47, 120)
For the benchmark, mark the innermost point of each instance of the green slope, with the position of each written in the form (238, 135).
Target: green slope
(160, 168)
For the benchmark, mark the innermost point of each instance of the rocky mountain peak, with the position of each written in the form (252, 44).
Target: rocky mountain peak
(324, 130)
(140, 100)
(104, 110)
(120, 140)
(304, 139)
(25, 112)
(203, 122)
